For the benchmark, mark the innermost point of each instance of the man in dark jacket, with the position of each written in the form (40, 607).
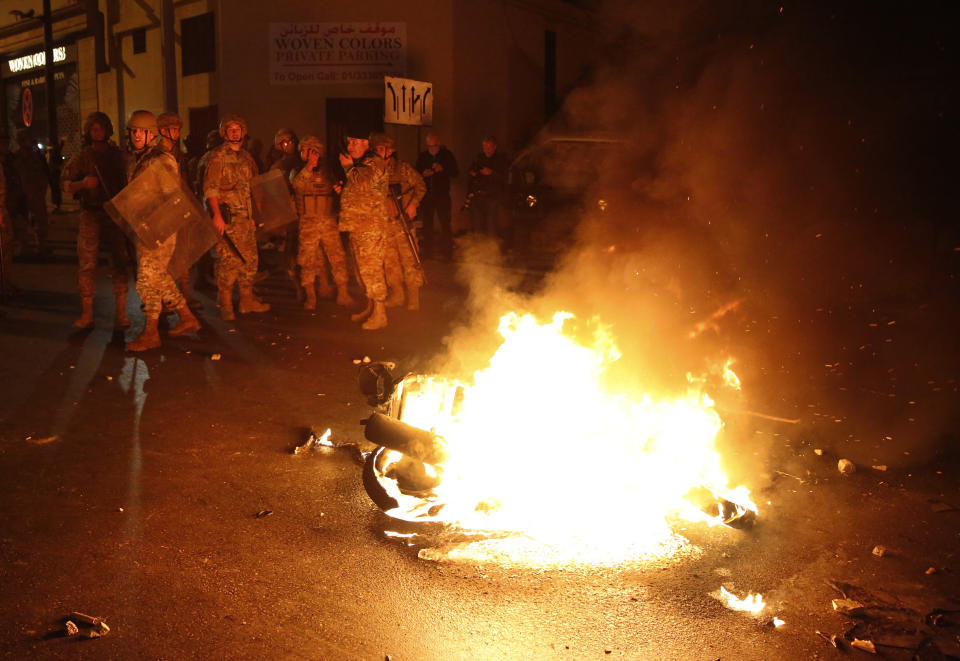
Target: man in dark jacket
(488, 182)
(437, 166)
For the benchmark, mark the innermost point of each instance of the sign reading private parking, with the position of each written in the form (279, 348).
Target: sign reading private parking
(407, 101)
(327, 53)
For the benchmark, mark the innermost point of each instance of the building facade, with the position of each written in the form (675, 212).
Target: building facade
(493, 66)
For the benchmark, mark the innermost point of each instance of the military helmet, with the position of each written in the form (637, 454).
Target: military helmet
(213, 139)
(142, 119)
(167, 119)
(97, 117)
(311, 142)
(232, 118)
(381, 139)
(282, 134)
(359, 129)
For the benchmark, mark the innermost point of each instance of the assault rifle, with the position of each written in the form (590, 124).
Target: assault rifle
(397, 194)
(227, 219)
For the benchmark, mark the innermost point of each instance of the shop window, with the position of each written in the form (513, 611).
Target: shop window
(198, 44)
(140, 40)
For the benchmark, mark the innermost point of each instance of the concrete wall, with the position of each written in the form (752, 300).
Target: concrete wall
(245, 84)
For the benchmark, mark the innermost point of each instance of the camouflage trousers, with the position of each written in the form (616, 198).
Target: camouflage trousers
(368, 253)
(229, 269)
(154, 284)
(95, 226)
(319, 235)
(398, 260)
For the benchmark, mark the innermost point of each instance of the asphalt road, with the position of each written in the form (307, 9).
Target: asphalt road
(132, 485)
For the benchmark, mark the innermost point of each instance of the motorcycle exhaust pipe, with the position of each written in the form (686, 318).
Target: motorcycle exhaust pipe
(412, 441)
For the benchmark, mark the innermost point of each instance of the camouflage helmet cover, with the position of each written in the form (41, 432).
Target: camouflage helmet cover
(381, 139)
(142, 119)
(167, 119)
(311, 142)
(289, 134)
(232, 118)
(100, 118)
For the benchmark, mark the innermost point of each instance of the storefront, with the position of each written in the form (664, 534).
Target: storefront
(25, 96)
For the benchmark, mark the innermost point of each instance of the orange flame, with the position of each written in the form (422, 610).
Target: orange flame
(540, 447)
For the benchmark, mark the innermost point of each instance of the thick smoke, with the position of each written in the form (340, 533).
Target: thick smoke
(777, 195)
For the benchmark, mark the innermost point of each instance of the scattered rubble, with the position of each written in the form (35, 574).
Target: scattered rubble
(833, 639)
(97, 627)
(85, 619)
(865, 645)
(847, 606)
(898, 622)
(846, 467)
(42, 441)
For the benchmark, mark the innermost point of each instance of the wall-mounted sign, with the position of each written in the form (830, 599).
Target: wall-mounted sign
(26, 107)
(34, 60)
(324, 53)
(407, 101)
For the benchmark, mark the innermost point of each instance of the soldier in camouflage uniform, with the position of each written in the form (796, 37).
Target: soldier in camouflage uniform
(95, 175)
(226, 187)
(399, 262)
(169, 124)
(364, 213)
(313, 191)
(142, 130)
(154, 284)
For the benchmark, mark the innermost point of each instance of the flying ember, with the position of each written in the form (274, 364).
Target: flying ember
(553, 462)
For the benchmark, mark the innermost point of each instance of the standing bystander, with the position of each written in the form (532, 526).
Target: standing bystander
(488, 179)
(438, 166)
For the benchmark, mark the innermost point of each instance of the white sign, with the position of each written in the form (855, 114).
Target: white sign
(318, 53)
(34, 60)
(407, 101)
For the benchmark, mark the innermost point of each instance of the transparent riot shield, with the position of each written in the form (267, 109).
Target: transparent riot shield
(272, 203)
(155, 204)
(193, 239)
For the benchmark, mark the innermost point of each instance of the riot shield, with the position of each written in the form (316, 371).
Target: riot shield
(155, 204)
(272, 203)
(193, 239)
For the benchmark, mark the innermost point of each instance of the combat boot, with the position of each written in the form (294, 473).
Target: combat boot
(149, 338)
(396, 297)
(343, 296)
(310, 296)
(378, 319)
(85, 320)
(413, 297)
(364, 313)
(225, 301)
(250, 303)
(187, 324)
(121, 320)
